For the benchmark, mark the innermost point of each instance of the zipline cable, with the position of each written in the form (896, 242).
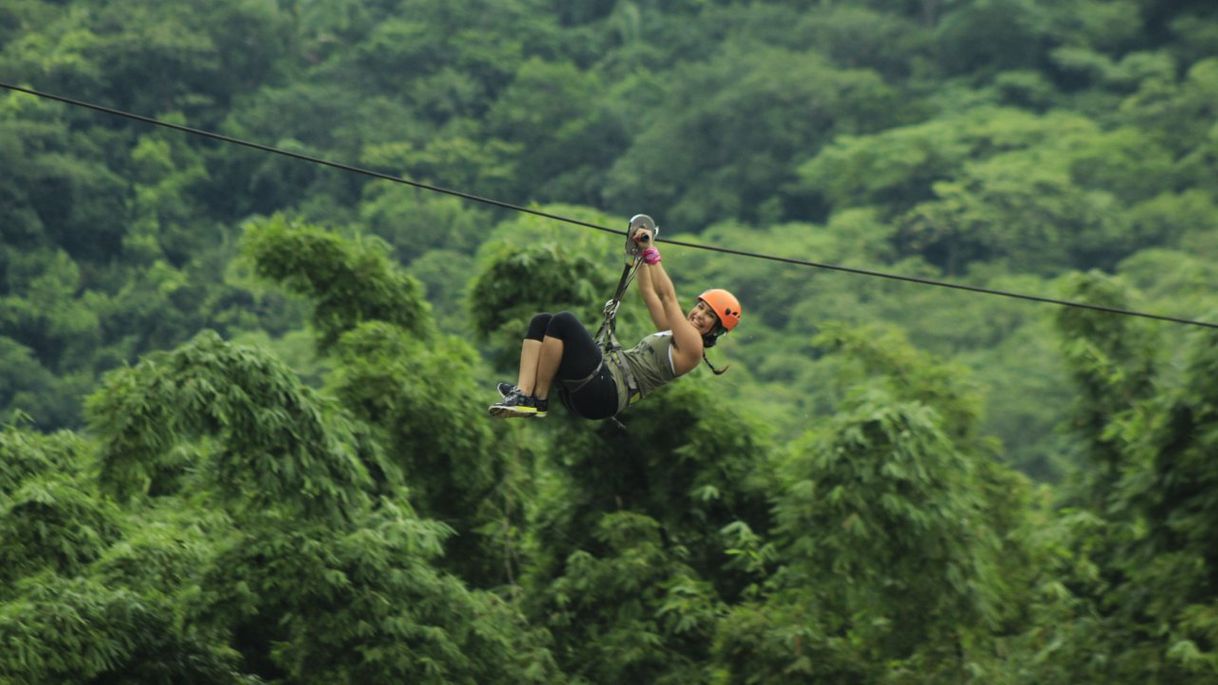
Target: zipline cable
(564, 219)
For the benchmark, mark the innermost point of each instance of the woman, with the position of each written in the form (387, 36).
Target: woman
(558, 348)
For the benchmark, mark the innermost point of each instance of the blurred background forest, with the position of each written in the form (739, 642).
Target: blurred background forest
(244, 397)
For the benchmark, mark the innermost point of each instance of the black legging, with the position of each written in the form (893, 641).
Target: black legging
(597, 399)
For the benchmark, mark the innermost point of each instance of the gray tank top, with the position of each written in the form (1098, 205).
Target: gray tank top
(650, 362)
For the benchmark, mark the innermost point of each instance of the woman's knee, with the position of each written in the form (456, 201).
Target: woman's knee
(562, 325)
(538, 326)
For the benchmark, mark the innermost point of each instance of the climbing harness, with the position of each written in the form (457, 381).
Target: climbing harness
(606, 335)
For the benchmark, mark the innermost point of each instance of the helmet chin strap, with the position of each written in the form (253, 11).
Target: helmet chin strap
(717, 372)
(708, 341)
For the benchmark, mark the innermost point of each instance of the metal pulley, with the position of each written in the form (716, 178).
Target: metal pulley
(638, 221)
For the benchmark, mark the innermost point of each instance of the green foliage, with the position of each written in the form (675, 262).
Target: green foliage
(322, 604)
(1176, 111)
(883, 516)
(438, 443)
(1175, 494)
(26, 454)
(563, 129)
(855, 36)
(79, 631)
(992, 35)
(1112, 361)
(726, 155)
(417, 223)
(53, 522)
(635, 614)
(248, 515)
(533, 272)
(1021, 208)
(279, 444)
(45, 314)
(910, 375)
(687, 461)
(890, 535)
(166, 554)
(348, 281)
(167, 208)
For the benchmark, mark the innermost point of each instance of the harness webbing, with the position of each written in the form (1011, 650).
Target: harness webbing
(606, 335)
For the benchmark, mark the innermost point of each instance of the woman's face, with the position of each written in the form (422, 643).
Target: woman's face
(703, 318)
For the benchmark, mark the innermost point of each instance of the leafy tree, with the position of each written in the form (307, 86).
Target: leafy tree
(565, 131)
(897, 168)
(45, 314)
(714, 151)
(1175, 111)
(634, 613)
(323, 604)
(534, 270)
(148, 57)
(1019, 207)
(417, 223)
(59, 624)
(1112, 362)
(686, 462)
(63, 193)
(631, 568)
(388, 364)
(280, 444)
(33, 389)
(993, 35)
(166, 201)
(79, 631)
(459, 470)
(50, 519)
(348, 281)
(1174, 562)
(54, 523)
(1174, 218)
(878, 494)
(1141, 593)
(896, 477)
(854, 36)
(27, 454)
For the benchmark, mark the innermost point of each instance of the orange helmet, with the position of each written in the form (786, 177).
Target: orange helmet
(724, 305)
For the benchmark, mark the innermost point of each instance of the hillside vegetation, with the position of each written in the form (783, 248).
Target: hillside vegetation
(243, 431)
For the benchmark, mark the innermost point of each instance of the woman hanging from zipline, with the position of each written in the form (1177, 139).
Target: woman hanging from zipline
(558, 350)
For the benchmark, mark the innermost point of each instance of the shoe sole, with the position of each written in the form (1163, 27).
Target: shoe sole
(501, 412)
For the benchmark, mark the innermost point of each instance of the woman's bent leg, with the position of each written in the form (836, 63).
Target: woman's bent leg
(568, 352)
(530, 353)
(549, 359)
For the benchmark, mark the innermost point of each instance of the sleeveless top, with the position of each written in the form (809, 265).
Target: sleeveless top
(650, 363)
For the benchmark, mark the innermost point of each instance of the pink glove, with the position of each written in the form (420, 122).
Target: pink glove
(651, 255)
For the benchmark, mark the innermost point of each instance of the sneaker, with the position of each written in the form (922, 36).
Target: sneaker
(517, 405)
(505, 389)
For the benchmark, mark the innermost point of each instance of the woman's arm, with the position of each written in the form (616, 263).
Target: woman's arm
(654, 307)
(686, 341)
